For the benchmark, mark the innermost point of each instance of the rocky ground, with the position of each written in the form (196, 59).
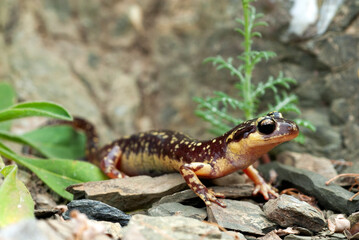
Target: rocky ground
(163, 207)
(130, 66)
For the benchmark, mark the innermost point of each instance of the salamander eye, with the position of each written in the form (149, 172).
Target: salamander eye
(266, 126)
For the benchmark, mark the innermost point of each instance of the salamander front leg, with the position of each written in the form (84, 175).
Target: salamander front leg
(260, 185)
(110, 158)
(188, 171)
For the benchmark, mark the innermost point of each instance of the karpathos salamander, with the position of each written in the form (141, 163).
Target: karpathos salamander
(157, 152)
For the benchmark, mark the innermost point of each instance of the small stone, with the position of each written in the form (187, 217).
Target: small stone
(97, 210)
(331, 197)
(337, 223)
(338, 236)
(111, 228)
(243, 190)
(178, 197)
(235, 191)
(55, 229)
(296, 237)
(26, 229)
(46, 213)
(270, 236)
(240, 216)
(354, 223)
(320, 165)
(44, 201)
(288, 211)
(177, 209)
(172, 227)
(130, 193)
(230, 179)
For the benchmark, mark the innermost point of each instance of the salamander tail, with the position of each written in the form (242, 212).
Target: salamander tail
(90, 132)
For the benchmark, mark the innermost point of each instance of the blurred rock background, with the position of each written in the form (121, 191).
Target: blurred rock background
(130, 66)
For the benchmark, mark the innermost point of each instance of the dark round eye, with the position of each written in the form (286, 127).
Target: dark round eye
(266, 126)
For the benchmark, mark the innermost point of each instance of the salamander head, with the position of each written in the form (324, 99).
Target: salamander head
(261, 134)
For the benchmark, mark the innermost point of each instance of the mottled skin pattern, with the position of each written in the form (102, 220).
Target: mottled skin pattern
(158, 152)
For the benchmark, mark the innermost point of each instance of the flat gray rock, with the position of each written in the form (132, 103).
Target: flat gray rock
(331, 197)
(236, 191)
(56, 229)
(177, 209)
(132, 193)
(173, 227)
(240, 216)
(270, 236)
(178, 197)
(287, 211)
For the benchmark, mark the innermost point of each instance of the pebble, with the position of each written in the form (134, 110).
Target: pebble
(173, 227)
(288, 211)
(320, 165)
(177, 209)
(240, 216)
(97, 210)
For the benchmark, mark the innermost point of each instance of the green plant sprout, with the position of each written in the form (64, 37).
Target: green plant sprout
(216, 109)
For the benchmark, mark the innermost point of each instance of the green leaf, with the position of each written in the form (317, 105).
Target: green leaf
(240, 21)
(240, 31)
(52, 141)
(57, 142)
(58, 174)
(306, 124)
(256, 34)
(16, 202)
(300, 139)
(259, 15)
(261, 23)
(43, 109)
(7, 99)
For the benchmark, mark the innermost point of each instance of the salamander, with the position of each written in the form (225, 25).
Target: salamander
(158, 152)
